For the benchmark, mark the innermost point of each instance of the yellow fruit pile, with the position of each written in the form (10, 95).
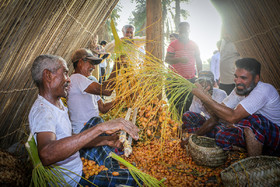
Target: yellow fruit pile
(90, 168)
(175, 164)
(155, 120)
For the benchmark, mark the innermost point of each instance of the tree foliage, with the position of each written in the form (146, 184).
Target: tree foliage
(171, 12)
(115, 16)
(170, 20)
(139, 17)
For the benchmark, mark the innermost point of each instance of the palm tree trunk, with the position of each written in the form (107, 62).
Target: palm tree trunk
(177, 13)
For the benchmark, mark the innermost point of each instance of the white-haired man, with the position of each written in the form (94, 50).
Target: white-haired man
(51, 127)
(128, 36)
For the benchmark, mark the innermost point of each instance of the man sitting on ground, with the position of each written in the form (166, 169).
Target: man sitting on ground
(251, 113)
(51, 127)
(84, 101)
(197, 111)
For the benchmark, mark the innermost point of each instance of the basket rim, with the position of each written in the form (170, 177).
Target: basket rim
(250, 158)
(216, 148)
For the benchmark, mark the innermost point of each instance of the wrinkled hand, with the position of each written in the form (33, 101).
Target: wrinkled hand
(198, 89)
(116, 125)
(114, 141)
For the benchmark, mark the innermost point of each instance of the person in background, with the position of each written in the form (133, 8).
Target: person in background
(197, 109)
(215, 64)
(95, 48)
(103, 64)
(173, 37)
(183, 56)
(248, 118)
(228, 56)
(128, 36)
(50, 125)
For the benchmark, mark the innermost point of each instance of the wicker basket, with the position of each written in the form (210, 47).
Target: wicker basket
(205, 152)
(253, 171)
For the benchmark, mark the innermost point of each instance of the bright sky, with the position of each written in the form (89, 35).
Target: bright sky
(205, 23)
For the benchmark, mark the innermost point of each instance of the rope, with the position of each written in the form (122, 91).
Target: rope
(4, 4)
(82, 26)
(17, 90)
(258, 34)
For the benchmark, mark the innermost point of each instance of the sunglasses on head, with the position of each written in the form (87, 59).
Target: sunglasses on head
(87, 60)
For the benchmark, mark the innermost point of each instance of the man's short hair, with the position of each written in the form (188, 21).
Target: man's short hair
(42, 62)
(206, 76)
(184, 24)
(125, 27)
(174, 35)
(103, 42)
(249, 64)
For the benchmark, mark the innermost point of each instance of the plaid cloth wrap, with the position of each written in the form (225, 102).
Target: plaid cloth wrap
(265, 132)
(99, 154)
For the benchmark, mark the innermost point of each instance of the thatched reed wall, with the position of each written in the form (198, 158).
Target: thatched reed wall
(254, 26)
(32, 27)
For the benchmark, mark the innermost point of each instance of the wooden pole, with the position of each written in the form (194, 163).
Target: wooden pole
(154, 28)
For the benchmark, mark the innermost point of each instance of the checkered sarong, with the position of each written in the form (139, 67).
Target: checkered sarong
(99, 155)
(193, 121)
(265, 132)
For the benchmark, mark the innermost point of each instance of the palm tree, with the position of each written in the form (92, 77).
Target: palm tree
(179, 12)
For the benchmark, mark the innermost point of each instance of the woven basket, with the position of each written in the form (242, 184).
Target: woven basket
(205, 152)
(253, 171)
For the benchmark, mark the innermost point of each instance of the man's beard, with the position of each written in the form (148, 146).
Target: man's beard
(245, 91)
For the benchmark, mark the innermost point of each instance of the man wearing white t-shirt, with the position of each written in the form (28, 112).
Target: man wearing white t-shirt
(197, 110)
(251, 113)
(129, 38)
(51, 127)
(84, 101)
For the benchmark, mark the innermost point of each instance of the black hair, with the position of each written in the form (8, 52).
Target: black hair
(185, 24)
(175, 35)
(249, 64)
(75, 64)
(103, 42)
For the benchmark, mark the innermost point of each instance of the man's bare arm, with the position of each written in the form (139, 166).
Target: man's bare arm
(52, 150)
(171, 59)
(222, 111)
(207, 126)
(107, 87)
(105, 107)
(198, 61)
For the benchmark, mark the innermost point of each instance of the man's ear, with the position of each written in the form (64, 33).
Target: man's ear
(257, 79)
(79, 63)
(47, 75)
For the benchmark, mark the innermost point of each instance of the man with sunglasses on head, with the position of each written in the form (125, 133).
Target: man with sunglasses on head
(198, 113)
